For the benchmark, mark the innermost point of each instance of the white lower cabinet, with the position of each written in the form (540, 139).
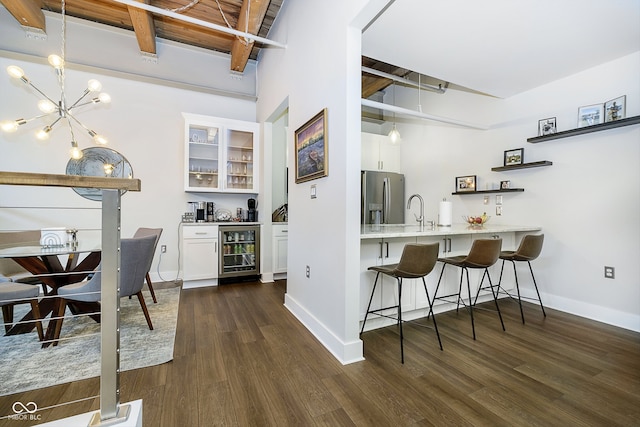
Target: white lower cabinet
(199, 255)
(280, 243)
(376, 252)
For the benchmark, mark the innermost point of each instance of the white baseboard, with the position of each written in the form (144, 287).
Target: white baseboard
(345, 352)
(598, 313)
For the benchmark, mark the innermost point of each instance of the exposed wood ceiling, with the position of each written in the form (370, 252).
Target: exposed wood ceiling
(252, 16)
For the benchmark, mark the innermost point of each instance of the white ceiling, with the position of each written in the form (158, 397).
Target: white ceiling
(503, 47)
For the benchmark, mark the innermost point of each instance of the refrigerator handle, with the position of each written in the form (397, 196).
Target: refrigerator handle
(386, 199)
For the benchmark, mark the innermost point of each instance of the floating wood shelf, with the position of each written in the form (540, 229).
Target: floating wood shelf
(522, 166)
(507, 190)
(587, 129)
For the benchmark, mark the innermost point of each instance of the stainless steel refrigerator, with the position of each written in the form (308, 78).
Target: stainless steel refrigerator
(382, 198)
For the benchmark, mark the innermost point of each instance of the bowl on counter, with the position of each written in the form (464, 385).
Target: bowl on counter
(476, 221)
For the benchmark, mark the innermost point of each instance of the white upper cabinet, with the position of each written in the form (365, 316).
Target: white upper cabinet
(379, 154)
(221, 155)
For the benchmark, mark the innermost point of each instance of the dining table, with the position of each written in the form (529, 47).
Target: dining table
(54, 267)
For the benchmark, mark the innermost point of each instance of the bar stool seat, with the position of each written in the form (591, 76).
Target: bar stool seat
(529, 249)
(417, 261)
(483, 254)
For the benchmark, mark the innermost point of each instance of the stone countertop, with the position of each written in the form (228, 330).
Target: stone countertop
(387, 231)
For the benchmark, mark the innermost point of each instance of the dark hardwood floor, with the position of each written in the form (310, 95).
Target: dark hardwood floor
(241, 359)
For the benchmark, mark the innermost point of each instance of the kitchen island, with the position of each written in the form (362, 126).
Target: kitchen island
(383, 244)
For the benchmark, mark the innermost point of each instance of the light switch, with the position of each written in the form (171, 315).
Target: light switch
(499, 200)
(498, 210)
(313, 191)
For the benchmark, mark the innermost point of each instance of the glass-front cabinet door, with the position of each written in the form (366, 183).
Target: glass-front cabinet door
(203, 150)
(220, 155)
(240, 159)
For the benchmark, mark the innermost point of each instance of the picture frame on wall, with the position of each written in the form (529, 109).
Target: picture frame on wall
(311, 148)
(590, 115)
(505, 185)
(514, 157)
(465, 183)
(547, 126)
(615, 109)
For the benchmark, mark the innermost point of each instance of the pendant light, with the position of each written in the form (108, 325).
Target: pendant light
(394, 135)
(60, 109)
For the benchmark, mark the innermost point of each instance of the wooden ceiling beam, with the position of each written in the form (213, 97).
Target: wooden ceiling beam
(143, 27)
(252, 14)
(28, 13)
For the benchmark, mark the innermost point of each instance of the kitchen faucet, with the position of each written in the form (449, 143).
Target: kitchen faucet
(420, 218)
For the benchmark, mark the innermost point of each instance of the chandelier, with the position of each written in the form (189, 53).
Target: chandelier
(60, 110)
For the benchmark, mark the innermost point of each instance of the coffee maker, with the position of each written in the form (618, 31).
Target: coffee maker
(252, 214)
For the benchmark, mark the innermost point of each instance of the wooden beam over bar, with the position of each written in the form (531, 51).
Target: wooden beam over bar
(144, 28)
(28, 13)
(55, 180)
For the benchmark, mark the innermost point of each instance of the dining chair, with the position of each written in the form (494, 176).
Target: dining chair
(483, 254)
(417, 261)
(10, 268)
(143, 232)
(13, 293)
(134, 260)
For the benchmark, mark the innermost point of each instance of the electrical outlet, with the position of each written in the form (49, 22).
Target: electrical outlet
(308, 272)
(498, 210)
(163, 249)
(609, 272)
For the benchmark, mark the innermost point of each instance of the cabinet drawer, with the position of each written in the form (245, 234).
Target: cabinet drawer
(280, 230)
(200, 232)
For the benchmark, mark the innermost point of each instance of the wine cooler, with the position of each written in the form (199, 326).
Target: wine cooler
(239, 250)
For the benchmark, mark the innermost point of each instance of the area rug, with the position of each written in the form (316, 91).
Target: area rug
(24, 365)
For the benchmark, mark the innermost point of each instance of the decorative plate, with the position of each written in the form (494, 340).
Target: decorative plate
(99, 161)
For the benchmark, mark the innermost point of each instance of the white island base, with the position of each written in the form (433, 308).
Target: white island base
(383, 244)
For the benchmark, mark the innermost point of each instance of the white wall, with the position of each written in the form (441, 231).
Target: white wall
(587, 203)
(321, 69)
(143, 123)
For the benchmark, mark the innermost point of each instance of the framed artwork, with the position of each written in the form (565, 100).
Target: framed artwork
(465, 183)
(505, 185)
(590, 115)
(547, 126)
(615, 109)
(514, 157)
(311, 148)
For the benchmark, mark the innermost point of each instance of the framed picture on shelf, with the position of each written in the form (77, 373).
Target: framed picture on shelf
(615, 109)
(514, 157)
(311, 148)
(465, 183)
(590, 115)
(547, 126)
(505, 185)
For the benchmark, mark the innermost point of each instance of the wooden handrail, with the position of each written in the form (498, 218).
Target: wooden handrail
(55, 180)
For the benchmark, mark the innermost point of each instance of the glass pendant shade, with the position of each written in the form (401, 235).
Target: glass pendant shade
(394, 135)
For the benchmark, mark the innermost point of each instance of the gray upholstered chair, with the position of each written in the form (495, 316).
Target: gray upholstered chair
(417, 261)
(483, 254)
(135, 254)
(12, 293)
(143, 232)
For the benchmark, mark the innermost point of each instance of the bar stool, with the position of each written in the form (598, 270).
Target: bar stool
(483, 254)
(417, 261)
(529, 249)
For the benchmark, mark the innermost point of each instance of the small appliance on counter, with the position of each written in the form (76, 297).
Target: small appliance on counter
(252, 213)
(201, 212)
